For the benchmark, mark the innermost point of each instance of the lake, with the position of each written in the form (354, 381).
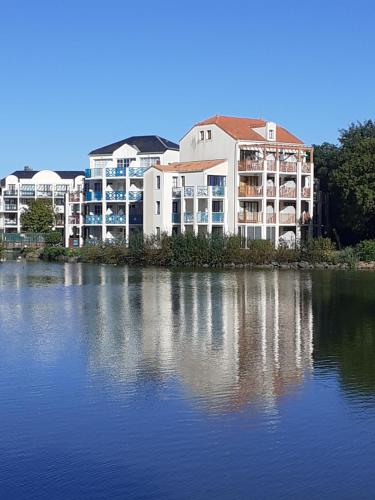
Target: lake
(140, 383)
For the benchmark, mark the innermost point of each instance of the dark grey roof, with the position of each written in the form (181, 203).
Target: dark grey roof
(29, 174)
(144, 144)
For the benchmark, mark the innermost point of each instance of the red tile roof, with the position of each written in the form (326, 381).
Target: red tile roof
(242, 129)
(189, 166)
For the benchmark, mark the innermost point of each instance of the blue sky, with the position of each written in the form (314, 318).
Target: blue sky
(79, 74)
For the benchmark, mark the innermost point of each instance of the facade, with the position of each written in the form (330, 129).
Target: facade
(22, 186)
(270, 175)
(183, 197)
(112, 201)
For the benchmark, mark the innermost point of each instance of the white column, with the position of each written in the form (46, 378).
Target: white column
(195, 210)
(104, 204)
(298, 202)
(209, 201)
(127, 186)
(264, 200)
(277, 201)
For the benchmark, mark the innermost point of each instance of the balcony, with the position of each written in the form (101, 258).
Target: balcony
(136, 219)
(271, 218)
(306, 192)
(10, 222)
(135, 195)
(250, 191)
(217, 217)
(115, 219)
(189, 192)
(93, 219)
(137, 171)
(271, 191)
(287, 192)
(93, 172)
(271, 166)
(10, 208)
(202, 191)
(202, 217)
(218, 191)
(288, 167)
(44, 194)
(285, 218)
(188, 218)
(250, 217)
(250, 165)
(74, 219)
(176, 218)
(26, 192)
(74, 197)
(10, 192)
(306, 168)
(115, 195)
(115, 172)
(176, 192)
(93, 196)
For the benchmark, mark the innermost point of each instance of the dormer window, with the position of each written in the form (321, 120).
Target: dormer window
(271, 135)
(201, 135)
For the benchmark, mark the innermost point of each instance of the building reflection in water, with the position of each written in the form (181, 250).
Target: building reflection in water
(230, 338)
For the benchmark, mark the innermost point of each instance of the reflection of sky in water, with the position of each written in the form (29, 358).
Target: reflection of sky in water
(146, 383)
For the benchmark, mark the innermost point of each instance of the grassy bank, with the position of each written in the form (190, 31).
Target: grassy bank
(212, 251)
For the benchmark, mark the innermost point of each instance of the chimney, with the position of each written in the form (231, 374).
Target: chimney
(27, 168)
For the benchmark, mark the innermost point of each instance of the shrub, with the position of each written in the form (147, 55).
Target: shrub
(318, 250)
(53, 238)
(51, 253)
(366, 250)
(348, 256)
(260, 252)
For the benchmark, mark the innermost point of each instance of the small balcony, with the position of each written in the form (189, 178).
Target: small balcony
(10, 222)
(115, 195)
(250, 217)
(137, 171)
(74, 197)
(188, 218)
(289, 167)
(288, 192)
(189, 192)
(93, 196)
(44, 194)
(286, 218)
(135, 195)
(271, 191)
(93, 172)
(115, 172)
(306, 168)
(176, 218)
(74, 219)
(202, 191)
(271, 218)
(218, 191)
(10, 192)
(94, 219)
(217, 217)
(250, 191)
(202, 217)
(250, 165)
(115, 219)
(25, 193)
(306, 192)
(10, 208)
(271, 166)
(176, 192)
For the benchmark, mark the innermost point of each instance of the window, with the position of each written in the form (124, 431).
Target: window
(97, 187)
(124, 162)
(201, 135)
(158, 232)
(209, 135)
(100, 163)
(157, 208)
(158, 182)
(216, 180)
(98, 210)
(217, 206)
(174, 207)
(182, 180)
(148, 161)
(271, 134)
(174, 182)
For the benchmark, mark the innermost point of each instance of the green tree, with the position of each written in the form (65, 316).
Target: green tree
(39, 217)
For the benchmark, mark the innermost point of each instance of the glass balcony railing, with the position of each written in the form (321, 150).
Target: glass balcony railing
(93, 196)
(115, 219)
(27, 192)
(115, 195)
(136, 219)
(176, 192)
(188, 217)
(135, 195)
(93, 219)
(202, 217)
(176, 218)
(10, 192)
(218, 191)
(10, 208)
(202, 191)
(93, 172)
(189, 192)
(217, 217)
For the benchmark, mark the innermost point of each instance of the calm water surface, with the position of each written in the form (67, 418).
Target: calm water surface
(145, 383)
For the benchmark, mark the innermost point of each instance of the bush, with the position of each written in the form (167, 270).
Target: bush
(366, 250)
(51, 253)
(260, 252)
(318, 250)
(348, 256)
(53, 238)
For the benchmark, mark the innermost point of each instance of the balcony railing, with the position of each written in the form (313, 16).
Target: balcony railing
(137, 171)
(26, 192)
(176, 218)
(10, 192)
(10, 222)
(74, 198)
(44, 194)
(93, 195)
(93, 219)
(74, 219)
(287, 192)
(202, 217)
(271, 218)
(176, 192)
(250, 217)
(115, 219)
(188, 217)
(218, 191)
(115, 172)
(271, 191)
(288, 166)
(93, 172)
(285, 218)
(271, 166)
(306, 191)
(217, 217)
(306, 168)
(10, 208)
(202, 191)
(250, 191)
(115, 195)
(250, 165)
(135, 195)
(136, 219)
(189, 192)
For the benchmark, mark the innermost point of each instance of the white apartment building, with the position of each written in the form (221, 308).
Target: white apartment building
(113, 193)
(183, 197)
(22, 186)
(270, 175)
